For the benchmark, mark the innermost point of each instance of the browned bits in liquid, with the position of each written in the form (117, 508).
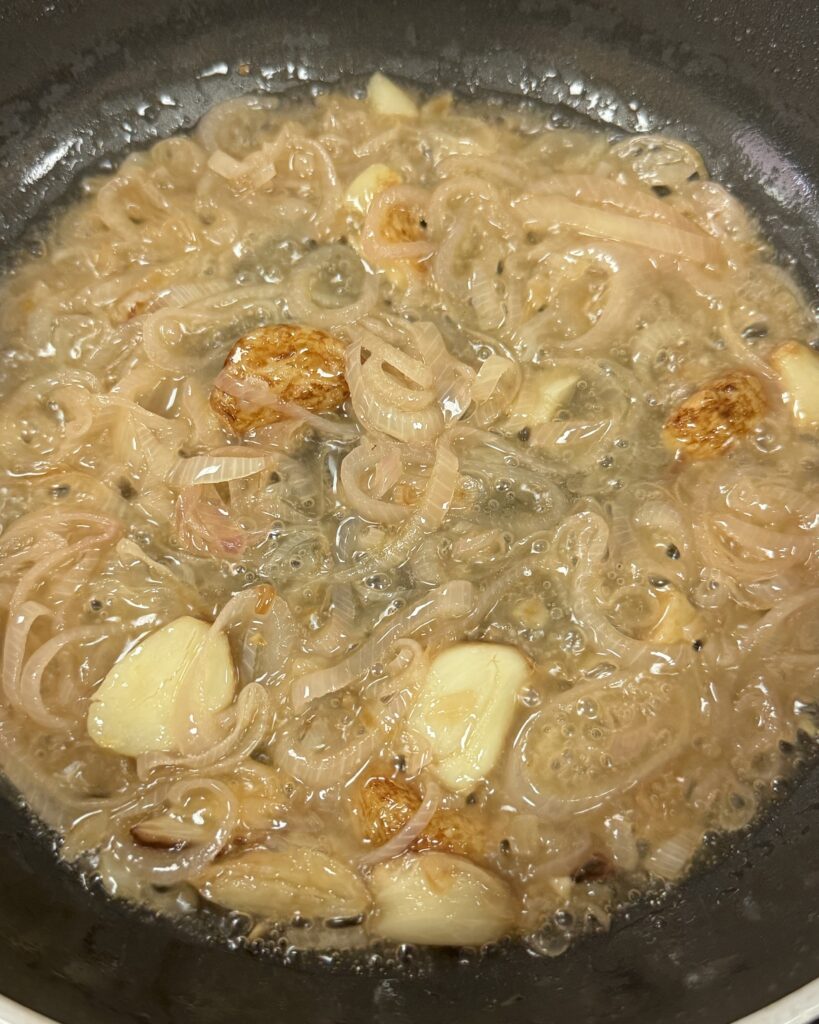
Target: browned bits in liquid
(297, 364)
(265, 599)
(711, 419)
(401, 225)
(386, 805)
(594, 869)
(136, 308)
(452, 832)
(405, 494)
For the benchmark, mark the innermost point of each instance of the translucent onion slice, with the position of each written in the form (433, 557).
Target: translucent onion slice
(421, 426)
(363, 462)
(451, 601)
(547, 212)
(234, 463)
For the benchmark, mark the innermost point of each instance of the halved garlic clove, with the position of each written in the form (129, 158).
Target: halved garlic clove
(366, 186)
(798, 369)
(465, 707)
(542, 394)
(149, 700)
(385, 97)
(440, 900)
(278, 884)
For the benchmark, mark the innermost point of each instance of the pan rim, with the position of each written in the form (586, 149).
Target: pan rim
(798, 1007)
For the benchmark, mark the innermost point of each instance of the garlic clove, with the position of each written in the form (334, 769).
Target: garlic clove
(366, 186)
(714, 417)
(384, 806)
(541, 396)
(278, 884)
(149, 699)
(385, 97)
(274, 364)
(798, 369)
(465, 707)
(438, 899)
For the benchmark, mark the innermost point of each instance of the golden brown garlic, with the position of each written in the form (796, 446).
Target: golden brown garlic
(385, 805)
(275, 364)
(714, 417)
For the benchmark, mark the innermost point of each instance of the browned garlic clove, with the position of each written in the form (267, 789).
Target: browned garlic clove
(713, 418)
(275, 365)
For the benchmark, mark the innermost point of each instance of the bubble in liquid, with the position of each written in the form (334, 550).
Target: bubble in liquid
(549, 943)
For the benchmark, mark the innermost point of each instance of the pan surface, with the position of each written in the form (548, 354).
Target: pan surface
(83, 80)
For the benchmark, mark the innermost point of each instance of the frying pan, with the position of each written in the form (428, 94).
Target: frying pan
(81, 81)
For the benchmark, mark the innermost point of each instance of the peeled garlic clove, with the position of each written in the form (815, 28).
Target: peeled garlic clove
(531, 612)
(464, 709)
(277, 884)
(440, 900)
(542, 394)
(679, 620)
(798, 369)
(385, 97)
(149, 696)
(364, 188)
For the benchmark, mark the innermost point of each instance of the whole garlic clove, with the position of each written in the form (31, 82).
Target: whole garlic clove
(385, 97)
(278, 884)
(149, 699)
(384, 806)
(798, 369)
(678, 621)
(713, 418)
(542, 394)
(438, 899)
(366, 186)
(275, 364)
(464, 709)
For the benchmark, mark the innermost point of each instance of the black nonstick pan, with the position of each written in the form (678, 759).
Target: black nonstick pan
(83, 80)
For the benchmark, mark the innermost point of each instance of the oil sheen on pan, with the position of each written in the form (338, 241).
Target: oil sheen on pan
(410, 521)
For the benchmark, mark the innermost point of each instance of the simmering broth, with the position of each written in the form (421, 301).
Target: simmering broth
(409, 521)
